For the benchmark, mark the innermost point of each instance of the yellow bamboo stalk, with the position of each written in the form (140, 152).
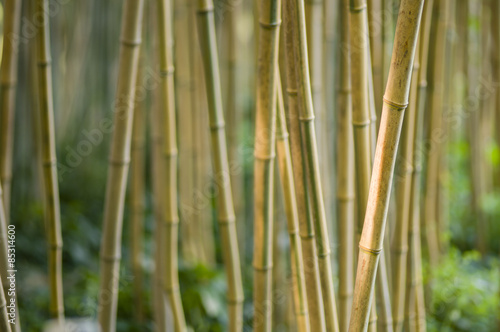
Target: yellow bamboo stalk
(167, 95)
(376, 30)
(5, 325)
(288, 188)
(137, 196)
(118, 164)
(51, 187)
(345, 176)
(310, 151)
(395, 101)
(306, 226)
(226, 218)
(264, 153)
(8, 85)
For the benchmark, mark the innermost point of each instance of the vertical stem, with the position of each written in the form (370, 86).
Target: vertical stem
(395, 101)
(5, 325)
(265, 129)
(225, 212)
(51, 187)
(118, 164)
(8, 85)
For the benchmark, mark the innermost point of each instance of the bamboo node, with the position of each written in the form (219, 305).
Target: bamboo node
(344, 91)
(357, 9)
(398, 106)
(217, 126)
(263, 268)
(361, 124)
(116, 162)
(171, 289)
(237, 300)
(264, 156)
(111, 258)
(205, 10)
(167, 72)
(292, 92)
(306, 118)
(345, 198)
(226, 220)
(422, 84)
(324, 254)
(131, 42)
(282, 137)
(44, 63)
(49, 163)
(272, 25)
(370, 251)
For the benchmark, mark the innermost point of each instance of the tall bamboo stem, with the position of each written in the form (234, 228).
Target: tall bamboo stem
(167, 95)
(48, 147)
(226, 218)
(306, 117)
(118, 164)
(5, 325)
(265, 129)
(345, 176)
(306, 226)
(395, 101)
(287, 183)
(8, 85)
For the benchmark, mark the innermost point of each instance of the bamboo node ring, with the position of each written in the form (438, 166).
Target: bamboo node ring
(132, 42)
(263, 268)
(205, 10)
(357, 9)
(264, 156)
(111, 259)
(235, 301)
(273, 25)
(370, 251)
(324, 254)
(292, 92)
(282, 137)
(44, 63)
(50, 162)
(400, 107)
(306, 118)
(217, 126)
(226, 220)
(168, 72)
(361, 124)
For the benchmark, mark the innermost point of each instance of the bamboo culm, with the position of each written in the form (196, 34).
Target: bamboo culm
(395, 101)
(225, 210)
(306, 226)
(5, 325)
(310, 151)
(8, 86)
(119, 163)
(264, 153)
(48, 148)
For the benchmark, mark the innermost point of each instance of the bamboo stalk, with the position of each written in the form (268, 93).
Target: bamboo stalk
(309, 149)
(265, 129)
(306, 226)
(435, 124)
(167, 95)
(118, 164)
(375, 28)
(395, 101)
(226, 218)
(137, 195)
(345, 176)
(8, 85)
(51, 188)
(5, 325)
(288, 188)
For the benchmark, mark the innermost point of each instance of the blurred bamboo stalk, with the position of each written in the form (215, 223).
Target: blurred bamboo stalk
(118, 164)
(306, 226)
(5, 325)
(226, 217)
(288, 189)
(8, 86)
(395, 101)
(345, 176)
(51, 187)
(137, 197)
(310, 152)
(264, 153)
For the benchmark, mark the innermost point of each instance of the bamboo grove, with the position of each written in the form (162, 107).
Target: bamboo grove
(299, 153)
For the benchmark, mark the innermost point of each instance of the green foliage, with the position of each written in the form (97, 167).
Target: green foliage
(464, 293)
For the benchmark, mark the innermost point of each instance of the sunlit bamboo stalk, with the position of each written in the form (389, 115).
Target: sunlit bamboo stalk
(8, 86)
(48, 147)
(264, 153)
(118, 164)
(310, 151)
(395, 101)
(226, 218)
(288, 188)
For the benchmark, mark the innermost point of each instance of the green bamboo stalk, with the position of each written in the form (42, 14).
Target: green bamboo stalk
(226, 218)
(306, 117)
(436, 99)
(167, 95)
(395, 101)
(118, 164)
(345, 176)
(495, 63)
(306, 226)
(8, 85)
(265, 129)
(48, 148)
(288, 188)
(5, 325)
(137, 196)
